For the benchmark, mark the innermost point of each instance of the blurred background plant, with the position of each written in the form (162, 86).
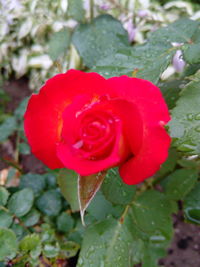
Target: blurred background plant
(39, 39)
(34, 35)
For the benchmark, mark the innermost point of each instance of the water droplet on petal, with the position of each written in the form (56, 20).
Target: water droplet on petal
(78, 144)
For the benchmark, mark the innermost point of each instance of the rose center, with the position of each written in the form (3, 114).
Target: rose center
(95, 134)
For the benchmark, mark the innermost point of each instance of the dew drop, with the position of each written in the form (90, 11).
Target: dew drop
(78, 144)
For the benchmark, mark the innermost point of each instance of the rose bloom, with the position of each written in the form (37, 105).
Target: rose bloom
(87, 123)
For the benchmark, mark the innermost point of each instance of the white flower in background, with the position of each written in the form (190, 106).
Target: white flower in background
(43, 61)
(196, 15)
(178, 61)
(167, 73)
(25, 28)
(143, 13)
(180, 5)
(19, 64)
(64, 5)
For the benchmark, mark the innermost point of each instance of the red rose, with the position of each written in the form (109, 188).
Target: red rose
(84, 122)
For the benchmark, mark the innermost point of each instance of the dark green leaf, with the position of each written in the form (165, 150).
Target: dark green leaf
(151, 213)
(7, 128)
(191, 53)
(21, 202)
(149, 61)
(169, 165)
(19, 231)
(185, 123)
(59, 43)
(5, 219)
(107, 243)
(99, 39)
(68, 183)
(50, 180)
(4, 194)
(192, 205)
(34, 181)
(20, 110)
(69, 249)
(178, 184)
(51, 251)
(50, 203)
(31, 218)
(180, 31)
(65, 222)
(171, 91)
(75, 10)
(115, 190)
(100, 208)
(24, 149)
(8, 244)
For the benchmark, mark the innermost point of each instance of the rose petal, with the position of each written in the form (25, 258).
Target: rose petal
(43, 117)
(154, 114)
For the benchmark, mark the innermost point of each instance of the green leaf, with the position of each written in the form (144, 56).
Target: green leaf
(24, 149)
(149, 61)
(185, 123)
(8, 244)
(152, 253)
(107, 243)
(5, 219)
(99, 39)
(31, 218)
(50, 179)
(178, 184)
(100, 208)
(150, 213)
(29, 242)
(191, 53)
(170, 164)
(180, 31)
(50, 203)
(7, 128)
(20, 110)
(191, 205)
(68, 183)
(171, 91)
(47, 234)
(87, 189)
(19, 231)
(34, 181)
(76, 10)
(69, 249)
(4, 194)
(21, 202)
(51, 251)
(115, 190)
(59, 43)
(65, 222)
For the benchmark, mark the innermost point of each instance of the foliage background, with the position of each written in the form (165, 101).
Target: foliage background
(126, 225)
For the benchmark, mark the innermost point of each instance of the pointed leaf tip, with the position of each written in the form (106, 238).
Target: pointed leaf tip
(87, 189)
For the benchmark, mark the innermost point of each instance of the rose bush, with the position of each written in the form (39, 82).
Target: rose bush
(84, 122)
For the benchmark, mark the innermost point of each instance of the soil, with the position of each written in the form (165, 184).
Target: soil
(185, 248)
